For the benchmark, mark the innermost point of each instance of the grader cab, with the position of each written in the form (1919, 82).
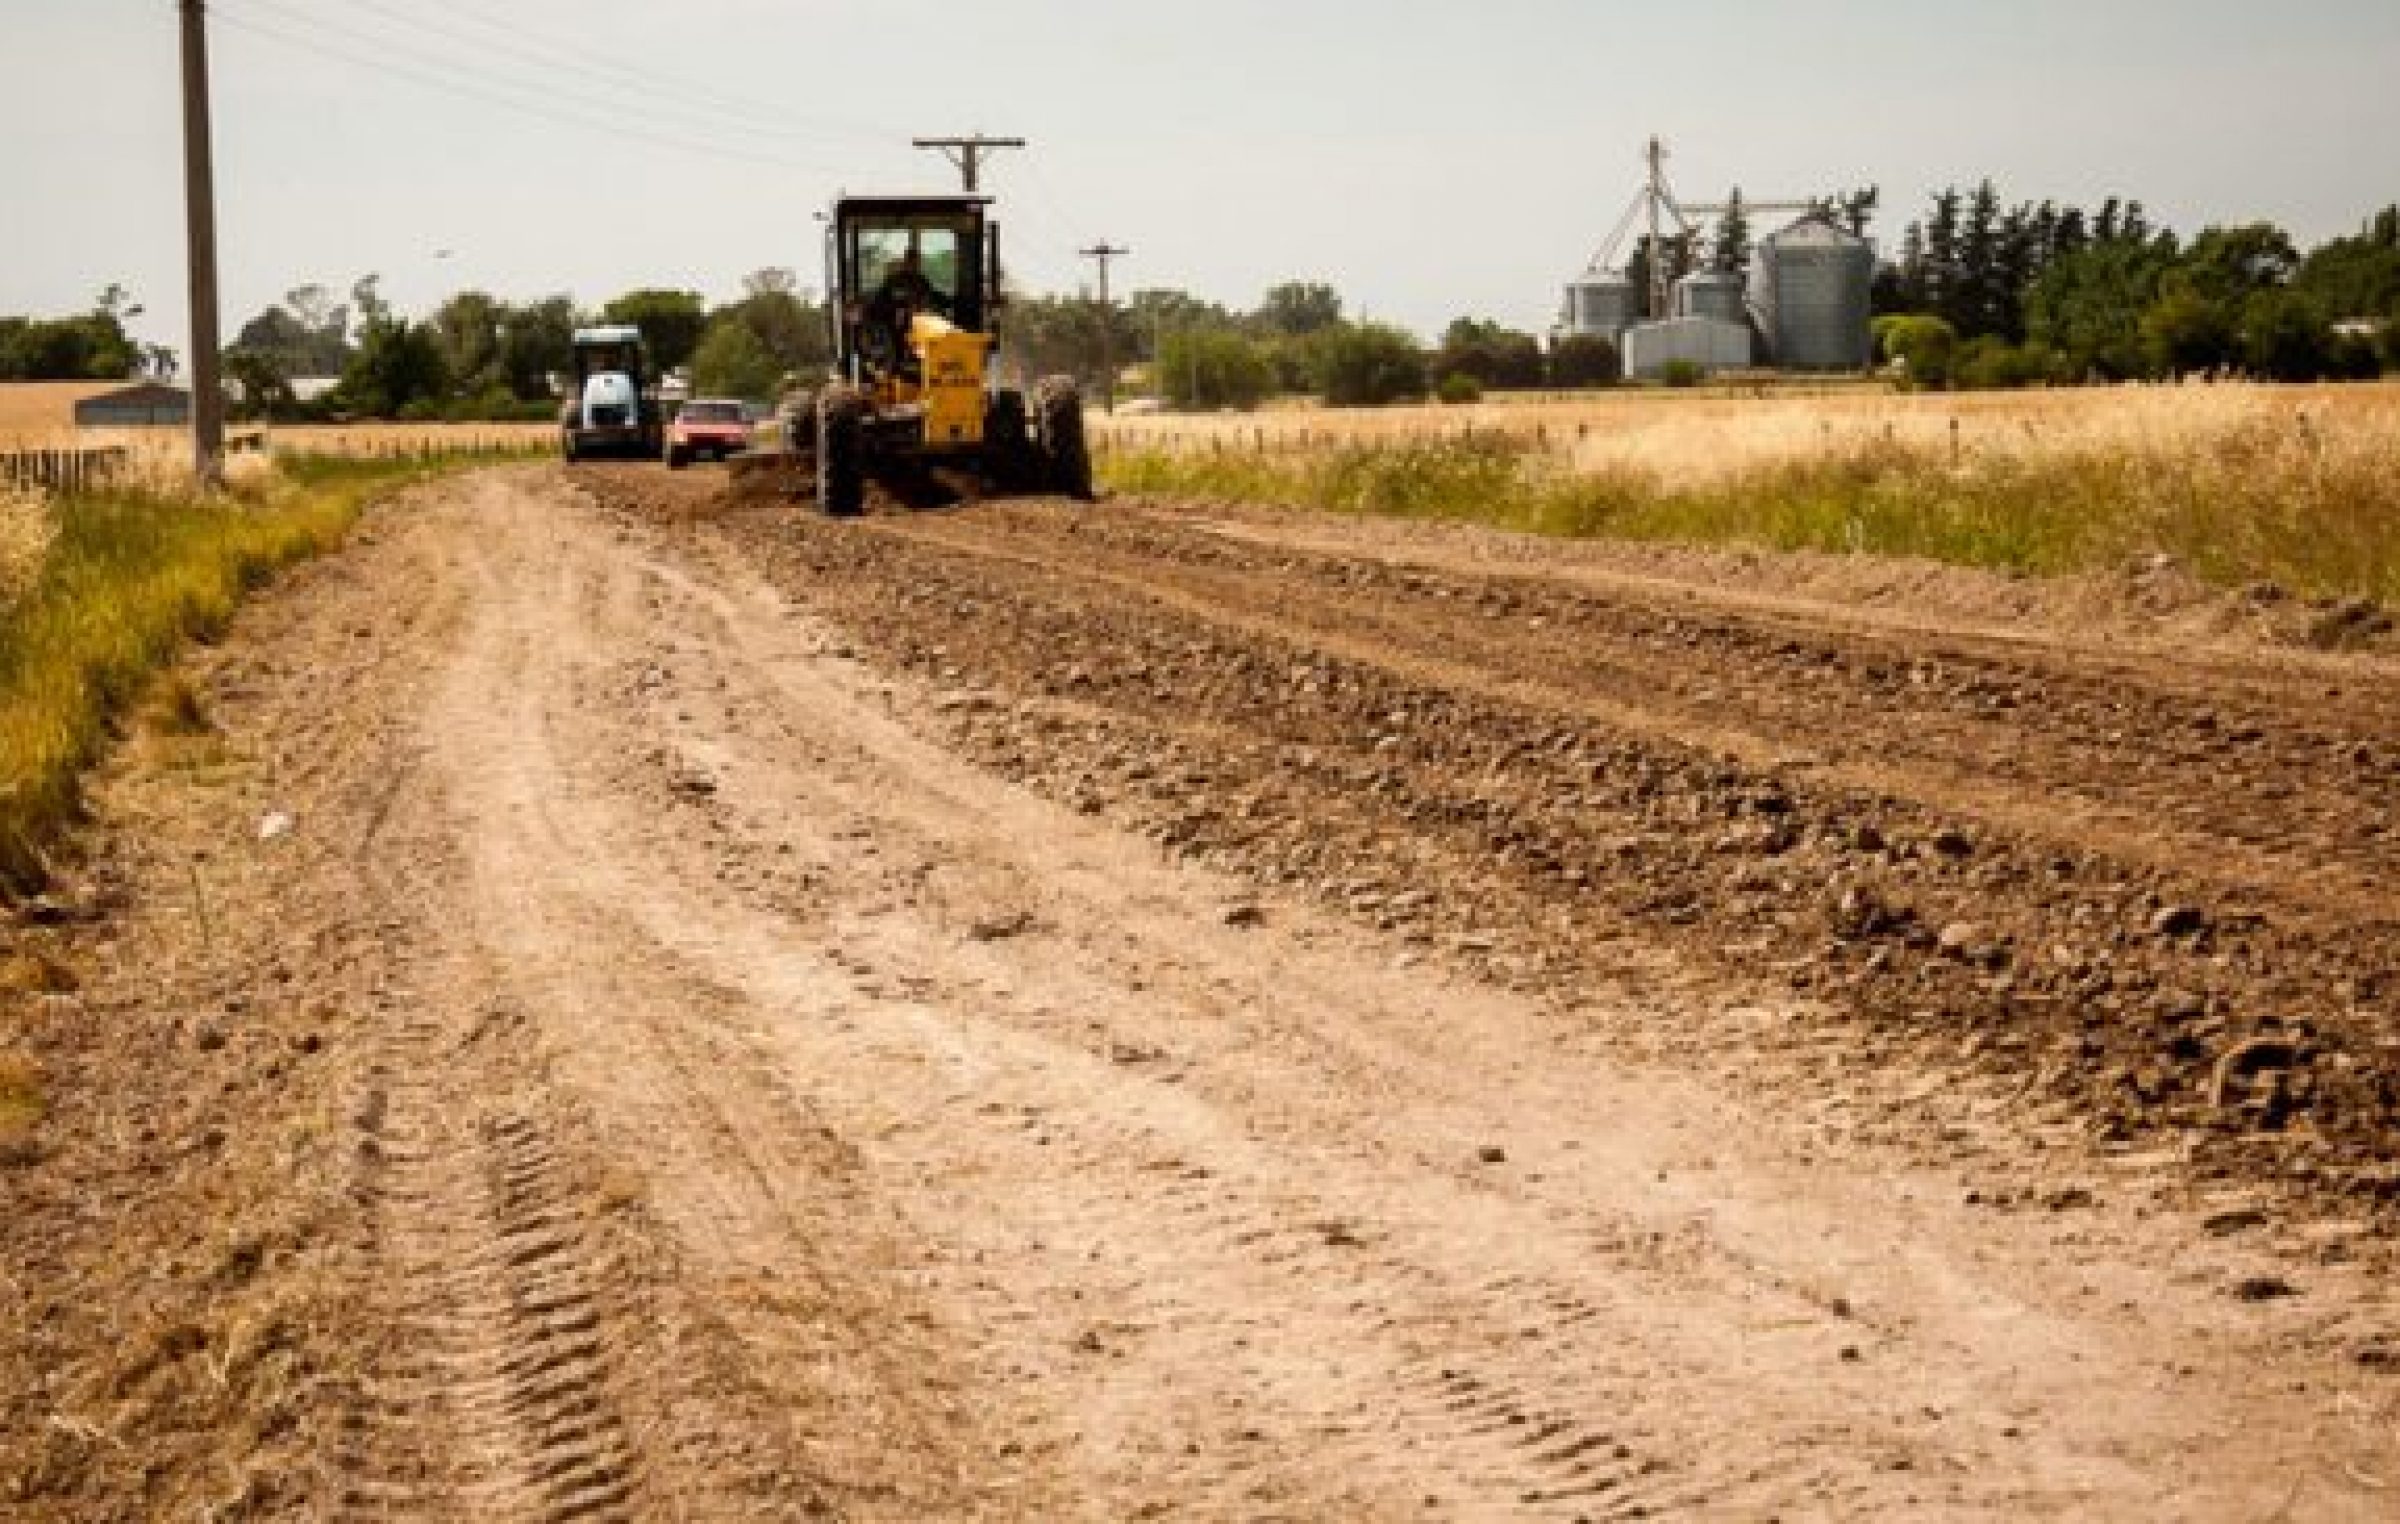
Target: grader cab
(913, 294)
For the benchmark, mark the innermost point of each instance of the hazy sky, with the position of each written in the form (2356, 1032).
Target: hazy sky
(1431, 159)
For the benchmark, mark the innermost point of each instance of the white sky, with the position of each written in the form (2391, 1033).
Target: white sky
(1431, 159)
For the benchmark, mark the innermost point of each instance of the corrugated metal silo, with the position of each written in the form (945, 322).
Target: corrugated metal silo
(1812, 286)
(1711, 294)
(1713, 344)
(1602, 302)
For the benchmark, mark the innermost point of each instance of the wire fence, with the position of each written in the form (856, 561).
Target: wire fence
(49, 471)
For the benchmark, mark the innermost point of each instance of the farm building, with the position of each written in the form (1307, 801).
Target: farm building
(142, 405)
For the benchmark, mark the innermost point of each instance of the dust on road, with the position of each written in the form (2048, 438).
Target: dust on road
(1051, 1013)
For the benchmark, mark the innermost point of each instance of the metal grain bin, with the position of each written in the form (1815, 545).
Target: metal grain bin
(1602, 302)
(1812, 286)
(1712, 294)
(1713, 344)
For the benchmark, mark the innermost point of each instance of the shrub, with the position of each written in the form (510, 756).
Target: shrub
(1370, 365)
(1682, 373)
(1585, 359)
(1924, 346)
(1214, 368)
(1458, 389)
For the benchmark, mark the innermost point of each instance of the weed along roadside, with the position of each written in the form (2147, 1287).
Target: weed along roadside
(116, 584)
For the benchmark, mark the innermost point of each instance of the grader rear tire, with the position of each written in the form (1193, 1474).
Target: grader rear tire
(1066, 455)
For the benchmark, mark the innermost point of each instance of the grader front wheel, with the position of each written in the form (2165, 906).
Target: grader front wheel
(842, 452)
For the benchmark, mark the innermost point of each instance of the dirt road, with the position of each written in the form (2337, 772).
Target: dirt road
(657, 1011)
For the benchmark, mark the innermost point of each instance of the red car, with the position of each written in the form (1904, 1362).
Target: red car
(707, 429)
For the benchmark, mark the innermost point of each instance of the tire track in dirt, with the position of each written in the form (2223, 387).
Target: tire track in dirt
(757, 1108)
(1003, 1055)
(499, 1402)
(2148, 995)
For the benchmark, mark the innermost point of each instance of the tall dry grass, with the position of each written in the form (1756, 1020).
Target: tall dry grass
(123, 579)
(2300, 487)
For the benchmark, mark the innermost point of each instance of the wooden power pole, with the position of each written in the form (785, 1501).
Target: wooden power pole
(1102, 252)
(967, 153)
(200, 215)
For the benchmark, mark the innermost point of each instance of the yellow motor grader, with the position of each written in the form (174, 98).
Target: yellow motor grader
(913, 295)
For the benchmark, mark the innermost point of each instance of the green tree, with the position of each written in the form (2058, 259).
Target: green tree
(1299, 308)
(2186, 332)
(1156, 313)
(91, 347)
(1213, 367)
(398, 368)
(2089, 305)
(467, 327)
(732, 362)
(1992, 363)
(537, 342)
(1370, 365)
(2231, 265)
(1729, 250)
(2356, 277)
(261, 389)
(1063, 336)
(671, 322)
(1494, 356)
(1923, 345)
(307, 334)
(785, 322)
(2285, 337)
(1584, 359)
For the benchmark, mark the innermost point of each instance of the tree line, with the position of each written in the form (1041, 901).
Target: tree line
(480, 357)
(84, 346)
(1986, 293)
(1980, 292)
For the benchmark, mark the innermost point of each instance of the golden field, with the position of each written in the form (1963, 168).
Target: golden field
(355, 441)
(2299, 486)
(1715, 434)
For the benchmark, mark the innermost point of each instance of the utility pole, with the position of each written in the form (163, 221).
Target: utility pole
(967, 153)
(1102, 252)
(200, 213)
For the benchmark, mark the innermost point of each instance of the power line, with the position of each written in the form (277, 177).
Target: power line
(569, 117)
(387, 53)
(562, 51)
(619, 80)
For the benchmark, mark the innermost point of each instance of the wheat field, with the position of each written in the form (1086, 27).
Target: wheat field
(2295, 485)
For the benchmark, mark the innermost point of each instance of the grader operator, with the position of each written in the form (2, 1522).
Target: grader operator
(913, 295)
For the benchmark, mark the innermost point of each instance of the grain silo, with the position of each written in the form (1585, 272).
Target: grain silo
(1812, 287)
(1601, 303)
(1711, 294)
(1707, 344)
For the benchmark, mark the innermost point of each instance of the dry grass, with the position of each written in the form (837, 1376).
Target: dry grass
(131, 574)
(2240, 483)
(167, 452)
(378, 441)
